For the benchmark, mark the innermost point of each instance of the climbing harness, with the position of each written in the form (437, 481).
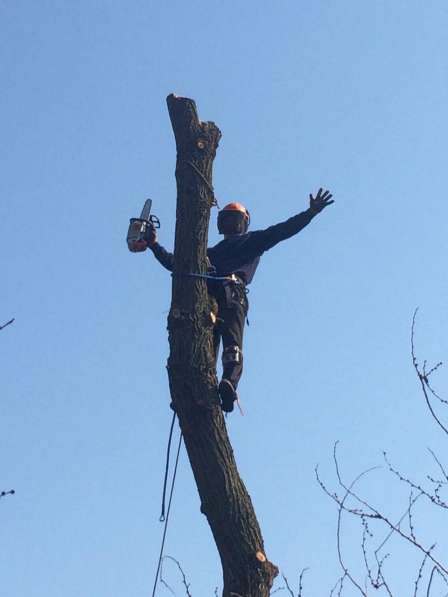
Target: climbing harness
(232, 278)
(165, 518)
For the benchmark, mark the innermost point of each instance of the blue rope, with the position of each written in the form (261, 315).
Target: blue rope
(165, 527)
(167, 466)
(210, 277)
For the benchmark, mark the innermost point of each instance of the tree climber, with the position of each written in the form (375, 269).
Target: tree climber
(234, 261)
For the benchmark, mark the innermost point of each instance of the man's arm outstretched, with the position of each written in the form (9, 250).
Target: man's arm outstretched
(163, 256)
(160, 253)
(263, 240)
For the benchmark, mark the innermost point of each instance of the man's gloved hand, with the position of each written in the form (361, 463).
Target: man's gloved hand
(151, 236)
(320, 201)
(149, 240)
(139, 246)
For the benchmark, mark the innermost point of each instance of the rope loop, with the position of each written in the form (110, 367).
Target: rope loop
(214, 201)
(164, 518)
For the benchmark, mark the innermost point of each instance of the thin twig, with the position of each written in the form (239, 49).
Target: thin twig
(428, 590)
(290, 591)
(300, 582)
(435, 499)
(431, 578)
(341, 509)
(380, 579)
(4, 493)
(420, 574)
(162, 580)
(434, 393)
(391, 531)
(184, 578)
(410, 521)
(2, 327)
(422, 377)
(370, 512)
(340, 584)
(438, 462)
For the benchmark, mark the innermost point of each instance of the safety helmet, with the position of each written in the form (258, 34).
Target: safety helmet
(233, 218)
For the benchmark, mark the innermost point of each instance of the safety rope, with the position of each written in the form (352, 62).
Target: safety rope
(165, 519)
(210, 277)
(231, 278)
(167, 465)
(214, 202)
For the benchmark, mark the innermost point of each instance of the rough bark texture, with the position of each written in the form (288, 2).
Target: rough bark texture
(191, 366)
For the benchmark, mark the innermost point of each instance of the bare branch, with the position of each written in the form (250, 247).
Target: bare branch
(431, 578)
(341, 508)
(288, 588)
(381, 581)
(184, 578)
(378, 580)
(368, 511)
(162, 580)
(438, 462)
(300, 582)
(349, 500)
(435, 499)
(410, 521)
(428, 590)
(339, 586)
(290, 591)
(4, 493)
(423, 377)
(2, 327)
(420, 573)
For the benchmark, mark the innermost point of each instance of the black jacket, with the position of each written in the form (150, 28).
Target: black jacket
(240, 254)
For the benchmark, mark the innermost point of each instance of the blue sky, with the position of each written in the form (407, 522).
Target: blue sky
(348, 95)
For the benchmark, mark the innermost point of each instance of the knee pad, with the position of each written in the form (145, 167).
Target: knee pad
(232, 354)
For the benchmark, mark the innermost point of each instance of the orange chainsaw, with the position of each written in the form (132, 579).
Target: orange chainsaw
(141, 229)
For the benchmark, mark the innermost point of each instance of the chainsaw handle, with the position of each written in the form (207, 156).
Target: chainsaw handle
(154, 221)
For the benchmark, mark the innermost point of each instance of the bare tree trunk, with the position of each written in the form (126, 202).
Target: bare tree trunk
(191, 366)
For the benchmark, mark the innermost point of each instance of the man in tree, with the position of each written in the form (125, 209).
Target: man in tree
(233, 262)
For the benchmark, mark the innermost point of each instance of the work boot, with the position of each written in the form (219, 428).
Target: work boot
(228, 395)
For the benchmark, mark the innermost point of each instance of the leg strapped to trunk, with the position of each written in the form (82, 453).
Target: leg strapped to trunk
(232, 354)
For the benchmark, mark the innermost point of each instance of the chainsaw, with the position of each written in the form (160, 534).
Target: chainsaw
(141, 229)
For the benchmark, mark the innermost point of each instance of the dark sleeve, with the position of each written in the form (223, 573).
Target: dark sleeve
(163, 256)
(263, 240)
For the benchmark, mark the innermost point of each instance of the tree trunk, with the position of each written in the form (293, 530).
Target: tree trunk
(192, 371)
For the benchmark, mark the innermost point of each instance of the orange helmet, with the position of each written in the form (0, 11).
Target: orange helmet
(233, 218)
(235, 207)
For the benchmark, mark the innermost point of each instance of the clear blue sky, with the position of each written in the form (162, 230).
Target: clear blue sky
(349, 95)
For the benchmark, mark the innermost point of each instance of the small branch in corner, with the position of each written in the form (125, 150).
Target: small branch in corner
(2, 327)
(4, 493)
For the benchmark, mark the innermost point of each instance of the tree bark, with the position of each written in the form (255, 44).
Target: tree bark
(192, 369)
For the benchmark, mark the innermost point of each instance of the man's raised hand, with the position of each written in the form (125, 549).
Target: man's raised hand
(149, 240)
(151, 236)
(320, 201)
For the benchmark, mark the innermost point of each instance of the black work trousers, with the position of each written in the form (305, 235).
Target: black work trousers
(232, 312)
